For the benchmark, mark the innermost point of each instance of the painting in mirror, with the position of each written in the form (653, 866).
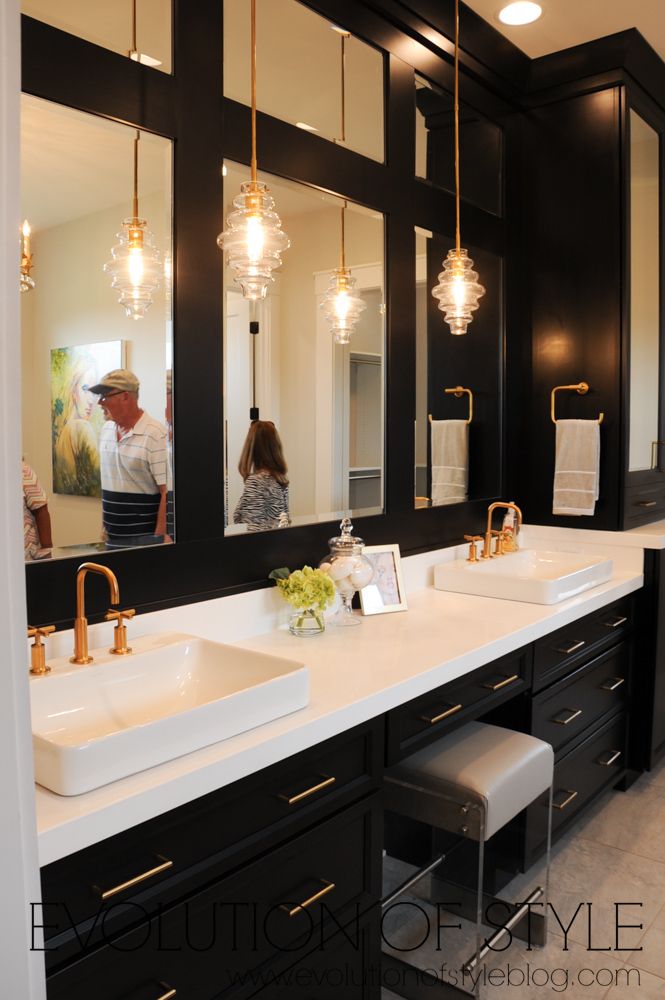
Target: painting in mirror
(96, 334)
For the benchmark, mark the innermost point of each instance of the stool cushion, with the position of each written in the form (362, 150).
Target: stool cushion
(500, 770)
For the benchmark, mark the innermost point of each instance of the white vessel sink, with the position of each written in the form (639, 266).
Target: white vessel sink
(531, 575)
(174, 694)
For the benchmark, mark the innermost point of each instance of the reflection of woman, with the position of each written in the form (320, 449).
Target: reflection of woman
(76, 466)
(264, 502)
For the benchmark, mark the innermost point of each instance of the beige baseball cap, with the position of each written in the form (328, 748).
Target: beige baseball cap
(120, 379)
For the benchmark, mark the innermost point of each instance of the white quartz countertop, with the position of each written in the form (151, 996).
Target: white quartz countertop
(355, 674)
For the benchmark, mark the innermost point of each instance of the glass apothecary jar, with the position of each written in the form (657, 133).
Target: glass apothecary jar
(349, 570)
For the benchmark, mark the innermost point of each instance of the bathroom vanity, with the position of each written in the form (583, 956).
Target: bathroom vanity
(269, 859)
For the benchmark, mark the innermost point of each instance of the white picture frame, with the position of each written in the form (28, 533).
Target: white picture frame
(386, 592)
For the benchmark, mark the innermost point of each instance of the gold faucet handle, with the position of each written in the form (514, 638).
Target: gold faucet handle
(120, 647)
(37, 650)
(499, 542)
(473, 553)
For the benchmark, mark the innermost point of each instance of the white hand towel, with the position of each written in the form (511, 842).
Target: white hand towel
(577, 467)
(450, 461)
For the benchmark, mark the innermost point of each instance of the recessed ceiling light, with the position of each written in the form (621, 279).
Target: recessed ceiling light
(307, 128)
(520, 12)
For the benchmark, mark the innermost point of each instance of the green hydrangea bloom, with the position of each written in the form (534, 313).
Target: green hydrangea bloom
(307, 588)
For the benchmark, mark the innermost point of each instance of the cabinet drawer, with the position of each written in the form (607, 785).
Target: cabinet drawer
(219, 941)
(561, 651)
(645, 502)
(574, 704)
(595, 764)
(176, 852)
(427, 717)
(347, 966)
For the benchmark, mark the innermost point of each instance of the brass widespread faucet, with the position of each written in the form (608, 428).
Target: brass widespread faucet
(487, 543)
(81, 622)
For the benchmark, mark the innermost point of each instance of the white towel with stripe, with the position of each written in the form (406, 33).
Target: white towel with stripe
(450, 461)
(577, 467)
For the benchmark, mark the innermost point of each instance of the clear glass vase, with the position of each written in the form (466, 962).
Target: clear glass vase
(306, 621)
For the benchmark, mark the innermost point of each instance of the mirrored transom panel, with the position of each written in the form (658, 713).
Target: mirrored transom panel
(458, 384)
(108, 23)
(304, 414)
(95, 272)
(481, 147)
(300, 72)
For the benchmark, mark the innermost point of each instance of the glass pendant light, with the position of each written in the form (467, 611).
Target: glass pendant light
(253, 238)
(458, 290)
(135, 266)
(341, 305)
(26, 283)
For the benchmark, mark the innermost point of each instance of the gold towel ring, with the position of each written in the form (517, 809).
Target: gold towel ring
(582, 388)
(459, 391)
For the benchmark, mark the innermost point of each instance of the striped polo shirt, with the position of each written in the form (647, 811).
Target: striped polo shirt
(133, 468)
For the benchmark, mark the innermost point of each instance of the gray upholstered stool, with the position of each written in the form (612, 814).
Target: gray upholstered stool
(472, 782)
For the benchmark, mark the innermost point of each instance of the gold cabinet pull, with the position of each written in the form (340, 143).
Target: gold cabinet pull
(169, 992)
(646, 503)
(502, 683)
(326, 782)
(442, 715)
(619, 620)
(612, 683)
(163, 866)
(609, 760)
(561, 720)
(294, 910)
(574, 646)
(570, 795)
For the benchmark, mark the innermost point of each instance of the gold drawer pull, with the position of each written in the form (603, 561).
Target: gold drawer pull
(169, 992)
(292, 799)
(608, 761)
(293, 910)
(612, 683)
(108, 893)
(502, 683)
(564, 720)
(615, 622)
(646, 503)
(566, 802)
(574, 646)
(441, 715)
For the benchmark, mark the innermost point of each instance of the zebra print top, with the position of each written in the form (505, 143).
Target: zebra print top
(264, 503)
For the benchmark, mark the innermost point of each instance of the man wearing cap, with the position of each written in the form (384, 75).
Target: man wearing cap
(132, 454)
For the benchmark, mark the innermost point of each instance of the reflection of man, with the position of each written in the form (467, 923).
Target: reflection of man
(132, 452)
(37, 542)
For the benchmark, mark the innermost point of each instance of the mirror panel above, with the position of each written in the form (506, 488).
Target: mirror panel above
(77, 174)
(481, 148)
(324, 400)
(299, 73)
(646, 450)
(108, 23)
(458, 427)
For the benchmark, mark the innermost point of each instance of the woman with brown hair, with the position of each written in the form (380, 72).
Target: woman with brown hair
(264, 503)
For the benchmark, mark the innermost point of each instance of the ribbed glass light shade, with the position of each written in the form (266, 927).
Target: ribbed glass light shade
(253, 240)
(136, 267)
(26, 282)
(458, 290)
(341, 305)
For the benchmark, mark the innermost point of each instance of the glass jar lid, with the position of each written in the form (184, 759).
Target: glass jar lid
(344, 542)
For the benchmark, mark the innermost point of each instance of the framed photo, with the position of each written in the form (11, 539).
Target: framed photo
(386, 591)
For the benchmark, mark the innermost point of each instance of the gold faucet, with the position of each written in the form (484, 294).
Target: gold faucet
(487, 544)
(81, 623)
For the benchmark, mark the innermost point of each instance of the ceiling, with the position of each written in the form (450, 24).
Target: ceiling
(570, 22)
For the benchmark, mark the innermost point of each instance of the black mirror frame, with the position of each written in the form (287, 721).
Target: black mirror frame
(203, 564)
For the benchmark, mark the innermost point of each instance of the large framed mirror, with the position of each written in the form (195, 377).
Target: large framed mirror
(97, 458)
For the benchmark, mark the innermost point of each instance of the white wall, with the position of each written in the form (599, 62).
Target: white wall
(73, 303)
(22, 969)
